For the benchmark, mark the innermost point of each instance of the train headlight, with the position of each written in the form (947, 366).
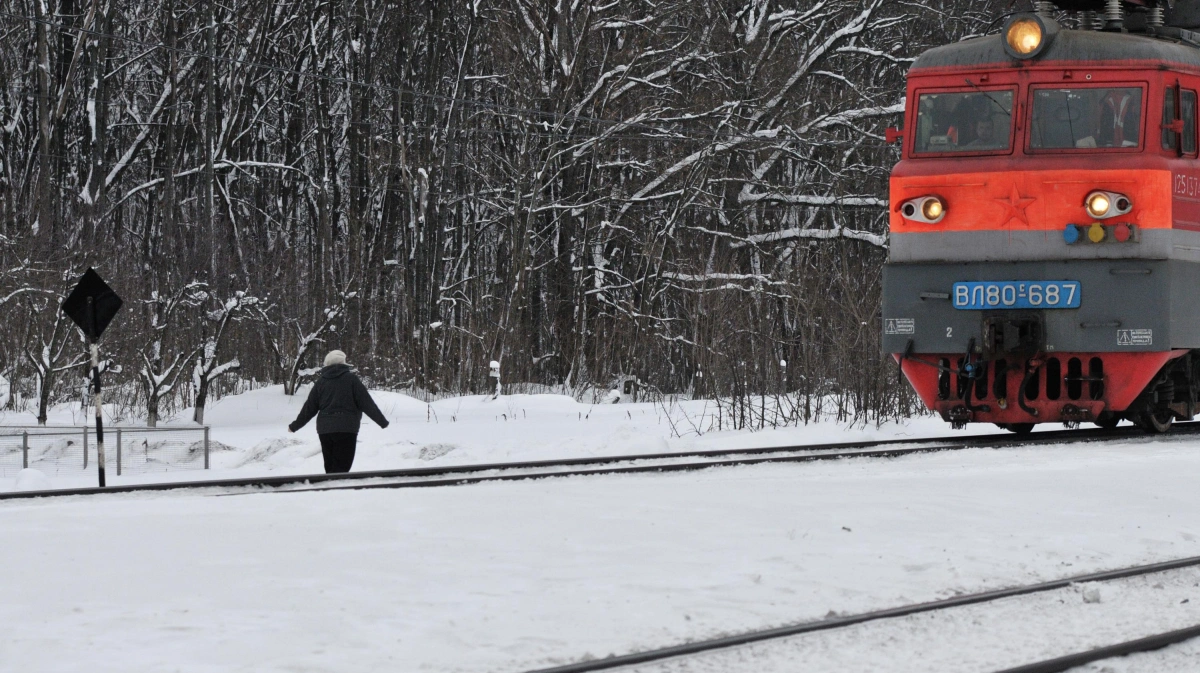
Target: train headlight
(927, 209)
(1027, 35)
(1103, 205)
(1098, 205)
(933, 209)
(1024, 36)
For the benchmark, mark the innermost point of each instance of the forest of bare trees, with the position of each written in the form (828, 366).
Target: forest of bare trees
(689, 192)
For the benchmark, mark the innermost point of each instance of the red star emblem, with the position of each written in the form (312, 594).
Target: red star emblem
(1015, 206)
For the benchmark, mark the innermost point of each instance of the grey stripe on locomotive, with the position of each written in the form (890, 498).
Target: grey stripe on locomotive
(1158, 295)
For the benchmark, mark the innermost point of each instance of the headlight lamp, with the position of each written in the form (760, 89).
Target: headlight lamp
(1098, 205)
(926, 209)
(1102, 205)
(932, 209)
(1024, 36)
(1028, 35)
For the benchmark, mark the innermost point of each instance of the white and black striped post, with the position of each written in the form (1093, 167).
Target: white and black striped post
(96, 390)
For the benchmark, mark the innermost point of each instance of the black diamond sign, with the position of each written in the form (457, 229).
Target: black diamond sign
(92, 317)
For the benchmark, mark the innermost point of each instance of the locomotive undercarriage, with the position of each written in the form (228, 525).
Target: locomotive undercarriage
(1016, 392)
(1170, 396)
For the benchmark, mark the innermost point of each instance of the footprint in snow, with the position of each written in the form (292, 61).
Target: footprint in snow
(434, 451)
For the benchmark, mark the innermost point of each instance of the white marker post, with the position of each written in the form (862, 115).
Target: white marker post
(96, 390)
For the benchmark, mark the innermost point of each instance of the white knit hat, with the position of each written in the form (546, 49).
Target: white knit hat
(335, 358)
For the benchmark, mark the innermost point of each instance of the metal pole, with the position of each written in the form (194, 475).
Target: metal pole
(206, 447)
(25, 450)
(85, 453)
(118, 452)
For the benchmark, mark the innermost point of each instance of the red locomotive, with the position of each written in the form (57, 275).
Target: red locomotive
(1045, 220)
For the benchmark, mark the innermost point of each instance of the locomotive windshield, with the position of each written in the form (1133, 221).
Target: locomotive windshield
(976, 121)
(1086, 118)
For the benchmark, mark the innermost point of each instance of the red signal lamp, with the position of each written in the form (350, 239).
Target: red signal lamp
(1121, 232)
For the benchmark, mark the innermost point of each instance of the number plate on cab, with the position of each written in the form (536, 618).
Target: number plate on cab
(1026, 294)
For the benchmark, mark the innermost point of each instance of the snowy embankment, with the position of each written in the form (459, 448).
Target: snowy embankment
(521, 575)
(249, 433)
(513, 576)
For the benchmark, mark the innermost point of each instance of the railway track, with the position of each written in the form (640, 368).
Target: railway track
(1147, 644)
(678, 655)
(619, 464)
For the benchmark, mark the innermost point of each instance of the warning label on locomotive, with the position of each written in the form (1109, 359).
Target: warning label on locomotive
(899, 326)
(1135, 337)
(975, 296)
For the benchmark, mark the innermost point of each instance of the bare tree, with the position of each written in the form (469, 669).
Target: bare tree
(208, 367)
(163, 364)
(47, 348)
(579, 190)
(292, 346)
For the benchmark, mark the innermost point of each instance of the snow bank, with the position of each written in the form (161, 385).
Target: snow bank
(249, 434)
(30, 479)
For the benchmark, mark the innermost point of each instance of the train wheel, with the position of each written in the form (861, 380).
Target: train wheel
(1019, 428)
(1107, 420)
(1154, 421)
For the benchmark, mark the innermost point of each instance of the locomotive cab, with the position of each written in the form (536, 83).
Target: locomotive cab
(1044, 261)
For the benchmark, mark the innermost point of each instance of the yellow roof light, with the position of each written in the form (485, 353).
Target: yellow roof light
(1024, 36)
(1027, 35)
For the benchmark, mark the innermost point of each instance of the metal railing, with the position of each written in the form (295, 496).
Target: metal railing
(70, 450)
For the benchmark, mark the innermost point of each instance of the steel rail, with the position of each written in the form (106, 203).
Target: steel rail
(802, 628)
(1147, 644)
(826, 451)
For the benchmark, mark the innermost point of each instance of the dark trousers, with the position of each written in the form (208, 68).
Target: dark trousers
(338, 450)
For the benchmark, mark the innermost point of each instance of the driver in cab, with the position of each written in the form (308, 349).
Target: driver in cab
(986, 137)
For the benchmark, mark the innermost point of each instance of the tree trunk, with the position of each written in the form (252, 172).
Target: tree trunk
(45, 381)
(201, 400)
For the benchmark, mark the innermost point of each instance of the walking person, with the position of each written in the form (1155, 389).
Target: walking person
(338, 399)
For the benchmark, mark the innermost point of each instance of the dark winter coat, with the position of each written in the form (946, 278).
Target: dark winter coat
(342, 399)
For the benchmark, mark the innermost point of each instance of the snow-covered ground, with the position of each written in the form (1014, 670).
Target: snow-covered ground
(521, 575)
(253, 427)
(984, 637)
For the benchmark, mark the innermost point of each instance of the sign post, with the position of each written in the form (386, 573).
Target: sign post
(92, 306)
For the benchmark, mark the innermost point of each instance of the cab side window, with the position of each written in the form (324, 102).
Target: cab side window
(1187, 107)
(1169, 138)
(1184, 143)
